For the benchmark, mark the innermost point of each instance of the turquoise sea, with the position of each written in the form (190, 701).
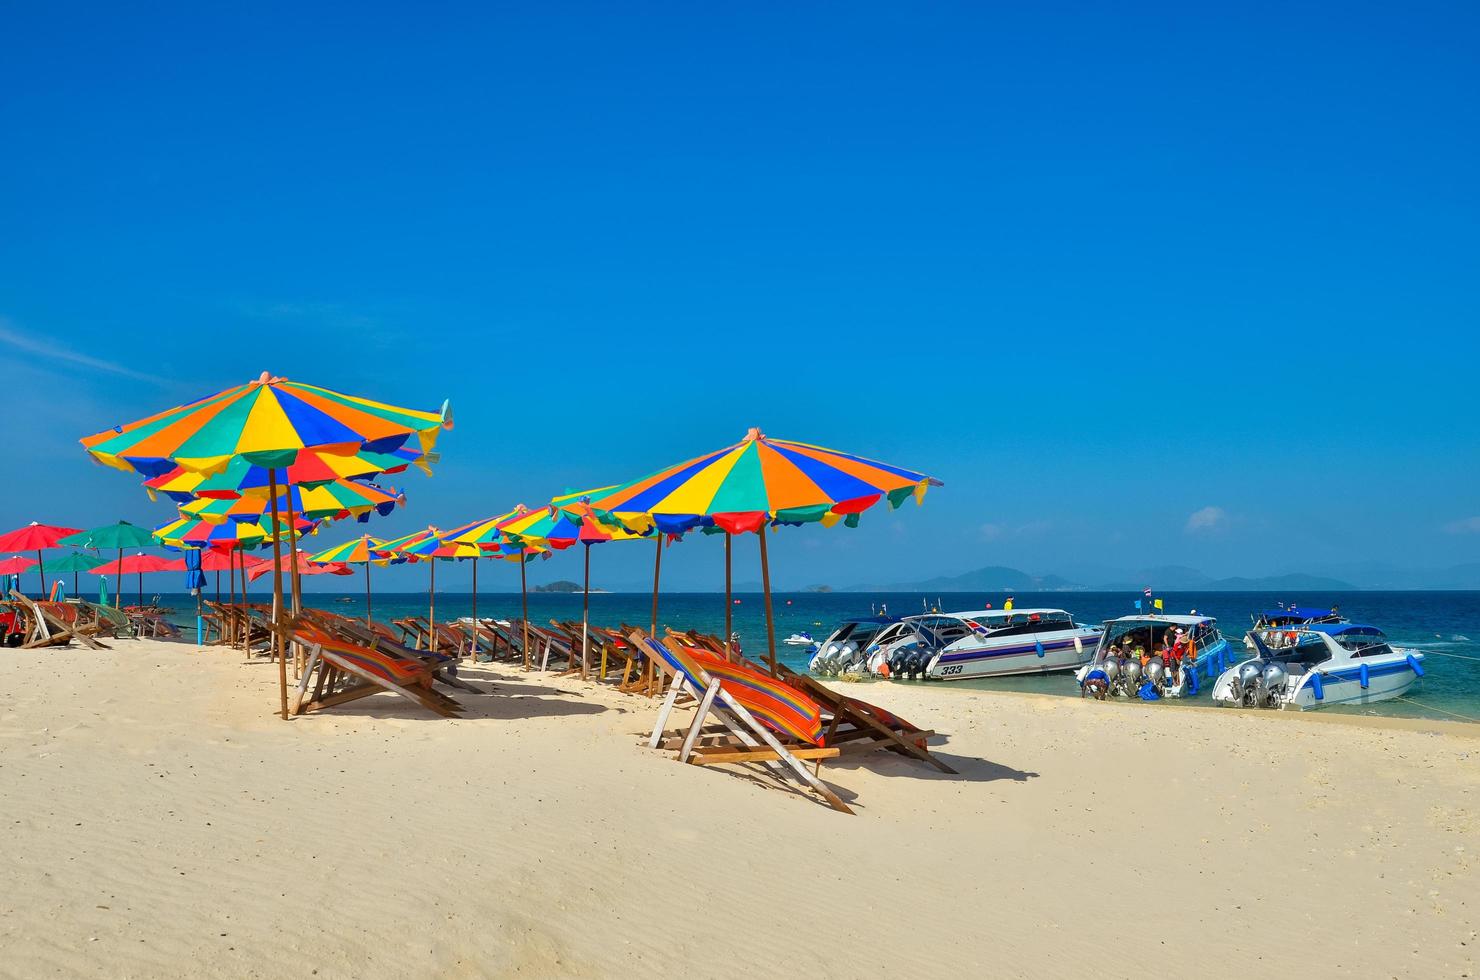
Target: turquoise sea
(1445, 625)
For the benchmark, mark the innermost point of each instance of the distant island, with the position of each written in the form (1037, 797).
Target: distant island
(818, 588)
(561, 586)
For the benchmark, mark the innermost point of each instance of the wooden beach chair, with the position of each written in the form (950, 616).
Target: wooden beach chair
(752, 710)
(380, 639)
(55, 624)
(342, 671)
(849, 719)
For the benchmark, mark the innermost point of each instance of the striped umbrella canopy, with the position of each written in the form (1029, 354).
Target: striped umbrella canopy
(357, 551)
(758, 480)
(267, 422)
(565, 521)
(755, 482)
(313, 469)
(189, 533)
(332, 501)
(478, 539)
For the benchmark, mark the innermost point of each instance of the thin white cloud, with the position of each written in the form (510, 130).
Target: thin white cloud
(1470, 525)
(992, 532)
(49, 350)
(1207, 519)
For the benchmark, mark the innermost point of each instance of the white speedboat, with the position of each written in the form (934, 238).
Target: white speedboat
(1319, 664)
(843, 650)
(1130, 660)
(985, 643)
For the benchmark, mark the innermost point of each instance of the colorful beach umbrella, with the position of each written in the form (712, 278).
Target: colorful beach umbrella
(755, 482)
(313, 469)
(266, 422)
(558, 526)
(356, 551)
(36, 537)
(330, 501)
(269, 423)
(139, 564)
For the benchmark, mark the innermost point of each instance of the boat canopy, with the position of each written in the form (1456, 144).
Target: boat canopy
(1343, 629)
(1150, 619)
(1297, 612)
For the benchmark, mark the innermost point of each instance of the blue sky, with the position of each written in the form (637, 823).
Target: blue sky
(1143, 284)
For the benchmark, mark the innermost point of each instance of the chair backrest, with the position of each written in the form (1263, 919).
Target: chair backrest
(779, 706)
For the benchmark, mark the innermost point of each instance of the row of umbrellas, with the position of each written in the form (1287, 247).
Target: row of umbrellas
(755, 484)
(262, 463)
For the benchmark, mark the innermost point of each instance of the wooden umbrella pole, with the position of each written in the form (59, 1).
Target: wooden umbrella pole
(293, 553)
(586, 613)
(524, 601)
(367, 591)
(41, 571)
(652, 668)
(277, 593)
(729, 603)
(141, 590)
(770, 618)
(75, 591)
(432, 608)
(218, 585)
(117, 590)
(473, 642)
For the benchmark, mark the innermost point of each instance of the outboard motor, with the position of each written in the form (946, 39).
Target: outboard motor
(1274, 678)
(1247, 683)
(1156, 673)
(1130, 676)
(915, 662)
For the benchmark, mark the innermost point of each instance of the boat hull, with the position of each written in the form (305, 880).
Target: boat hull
(1386, 678)
(1050, 653)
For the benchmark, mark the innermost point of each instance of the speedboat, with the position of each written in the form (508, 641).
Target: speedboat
(1317, 664)
(843, 650)
(1287, 616)
(985, 643)
(1129, 663)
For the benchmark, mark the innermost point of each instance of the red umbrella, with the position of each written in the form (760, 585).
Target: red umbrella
(139, 564)
(34, 537)
(223, 561)
(16, 565)
(305, 567)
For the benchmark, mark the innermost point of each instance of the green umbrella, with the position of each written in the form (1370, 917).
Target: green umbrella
(121, 535)
(74, 563)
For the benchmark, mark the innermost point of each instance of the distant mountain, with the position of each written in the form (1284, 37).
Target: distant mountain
(1305, 583)
(989, 579)
(1173, 578)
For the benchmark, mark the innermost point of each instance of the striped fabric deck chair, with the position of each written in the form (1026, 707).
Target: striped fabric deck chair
(442, 665)
(343, 671)
(849, 720)
(751, 707)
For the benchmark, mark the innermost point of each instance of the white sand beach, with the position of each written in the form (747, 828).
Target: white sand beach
(160, 821)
